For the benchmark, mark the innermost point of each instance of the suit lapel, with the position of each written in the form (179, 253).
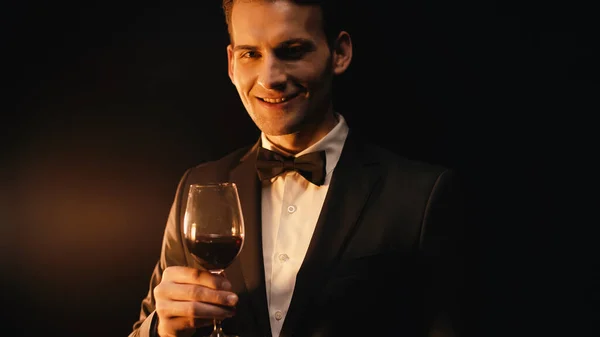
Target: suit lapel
(352, 182)
(251, 256)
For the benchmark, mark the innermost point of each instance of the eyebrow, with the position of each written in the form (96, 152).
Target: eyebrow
(244, 47)
(286, 43)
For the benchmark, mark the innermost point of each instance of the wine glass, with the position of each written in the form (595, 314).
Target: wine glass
(213, 229)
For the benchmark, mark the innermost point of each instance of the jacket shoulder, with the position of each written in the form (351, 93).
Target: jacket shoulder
(217, 170)
(394, 162)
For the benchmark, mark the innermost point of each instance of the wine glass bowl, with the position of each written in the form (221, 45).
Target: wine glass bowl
(213, 228)
(214, 252)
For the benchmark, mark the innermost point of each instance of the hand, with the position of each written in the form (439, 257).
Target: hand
(189, 298)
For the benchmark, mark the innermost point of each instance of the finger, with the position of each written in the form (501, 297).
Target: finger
(189, 309)
(180, 274)
(178, 325)
(192, 292)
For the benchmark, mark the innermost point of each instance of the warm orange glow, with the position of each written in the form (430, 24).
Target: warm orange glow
(185, 222)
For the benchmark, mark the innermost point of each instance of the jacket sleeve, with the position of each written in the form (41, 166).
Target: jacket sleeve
(442, 248)
(172, 254)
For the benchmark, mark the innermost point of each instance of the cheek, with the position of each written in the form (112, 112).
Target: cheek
(313, 73)
(243, 78)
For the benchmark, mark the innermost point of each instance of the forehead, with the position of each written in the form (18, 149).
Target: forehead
(257, 22)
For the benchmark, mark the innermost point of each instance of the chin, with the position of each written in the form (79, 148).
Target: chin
(278, 131)
(281, 128)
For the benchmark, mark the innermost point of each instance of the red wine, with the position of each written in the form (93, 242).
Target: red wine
(215, 252)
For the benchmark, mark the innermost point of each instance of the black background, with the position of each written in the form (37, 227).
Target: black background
(107, 103)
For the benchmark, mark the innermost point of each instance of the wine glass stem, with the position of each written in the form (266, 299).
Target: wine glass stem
(217, 330)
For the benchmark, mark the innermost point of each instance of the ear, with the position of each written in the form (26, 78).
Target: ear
(230, 62)
(342, 53)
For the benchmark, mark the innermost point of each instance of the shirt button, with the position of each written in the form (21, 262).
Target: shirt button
(278, 315)
(283, 257)
(291, 209)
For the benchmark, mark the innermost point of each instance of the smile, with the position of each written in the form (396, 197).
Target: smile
(278, 99)
(275, 100)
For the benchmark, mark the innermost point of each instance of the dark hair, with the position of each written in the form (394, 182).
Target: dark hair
(332, 16)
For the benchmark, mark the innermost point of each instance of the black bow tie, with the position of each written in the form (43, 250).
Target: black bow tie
(311, 165)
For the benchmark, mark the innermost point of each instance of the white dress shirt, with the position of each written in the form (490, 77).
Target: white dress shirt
(290, 208)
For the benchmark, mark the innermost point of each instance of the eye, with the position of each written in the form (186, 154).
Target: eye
(294, 52)
(249, 54)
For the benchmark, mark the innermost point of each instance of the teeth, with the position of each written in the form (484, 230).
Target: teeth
(274, 100)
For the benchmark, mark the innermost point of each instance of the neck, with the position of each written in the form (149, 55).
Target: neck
(309, 135)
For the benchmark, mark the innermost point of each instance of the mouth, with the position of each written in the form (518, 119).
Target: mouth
(278, 100)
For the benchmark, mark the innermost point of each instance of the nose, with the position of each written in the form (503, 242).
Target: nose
(272, 73)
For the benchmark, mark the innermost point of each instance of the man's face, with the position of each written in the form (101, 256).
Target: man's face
(280, 63)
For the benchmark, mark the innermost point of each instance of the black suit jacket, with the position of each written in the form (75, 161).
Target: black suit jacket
(385, 256)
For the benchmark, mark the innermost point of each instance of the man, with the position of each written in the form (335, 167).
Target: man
(366, 247)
